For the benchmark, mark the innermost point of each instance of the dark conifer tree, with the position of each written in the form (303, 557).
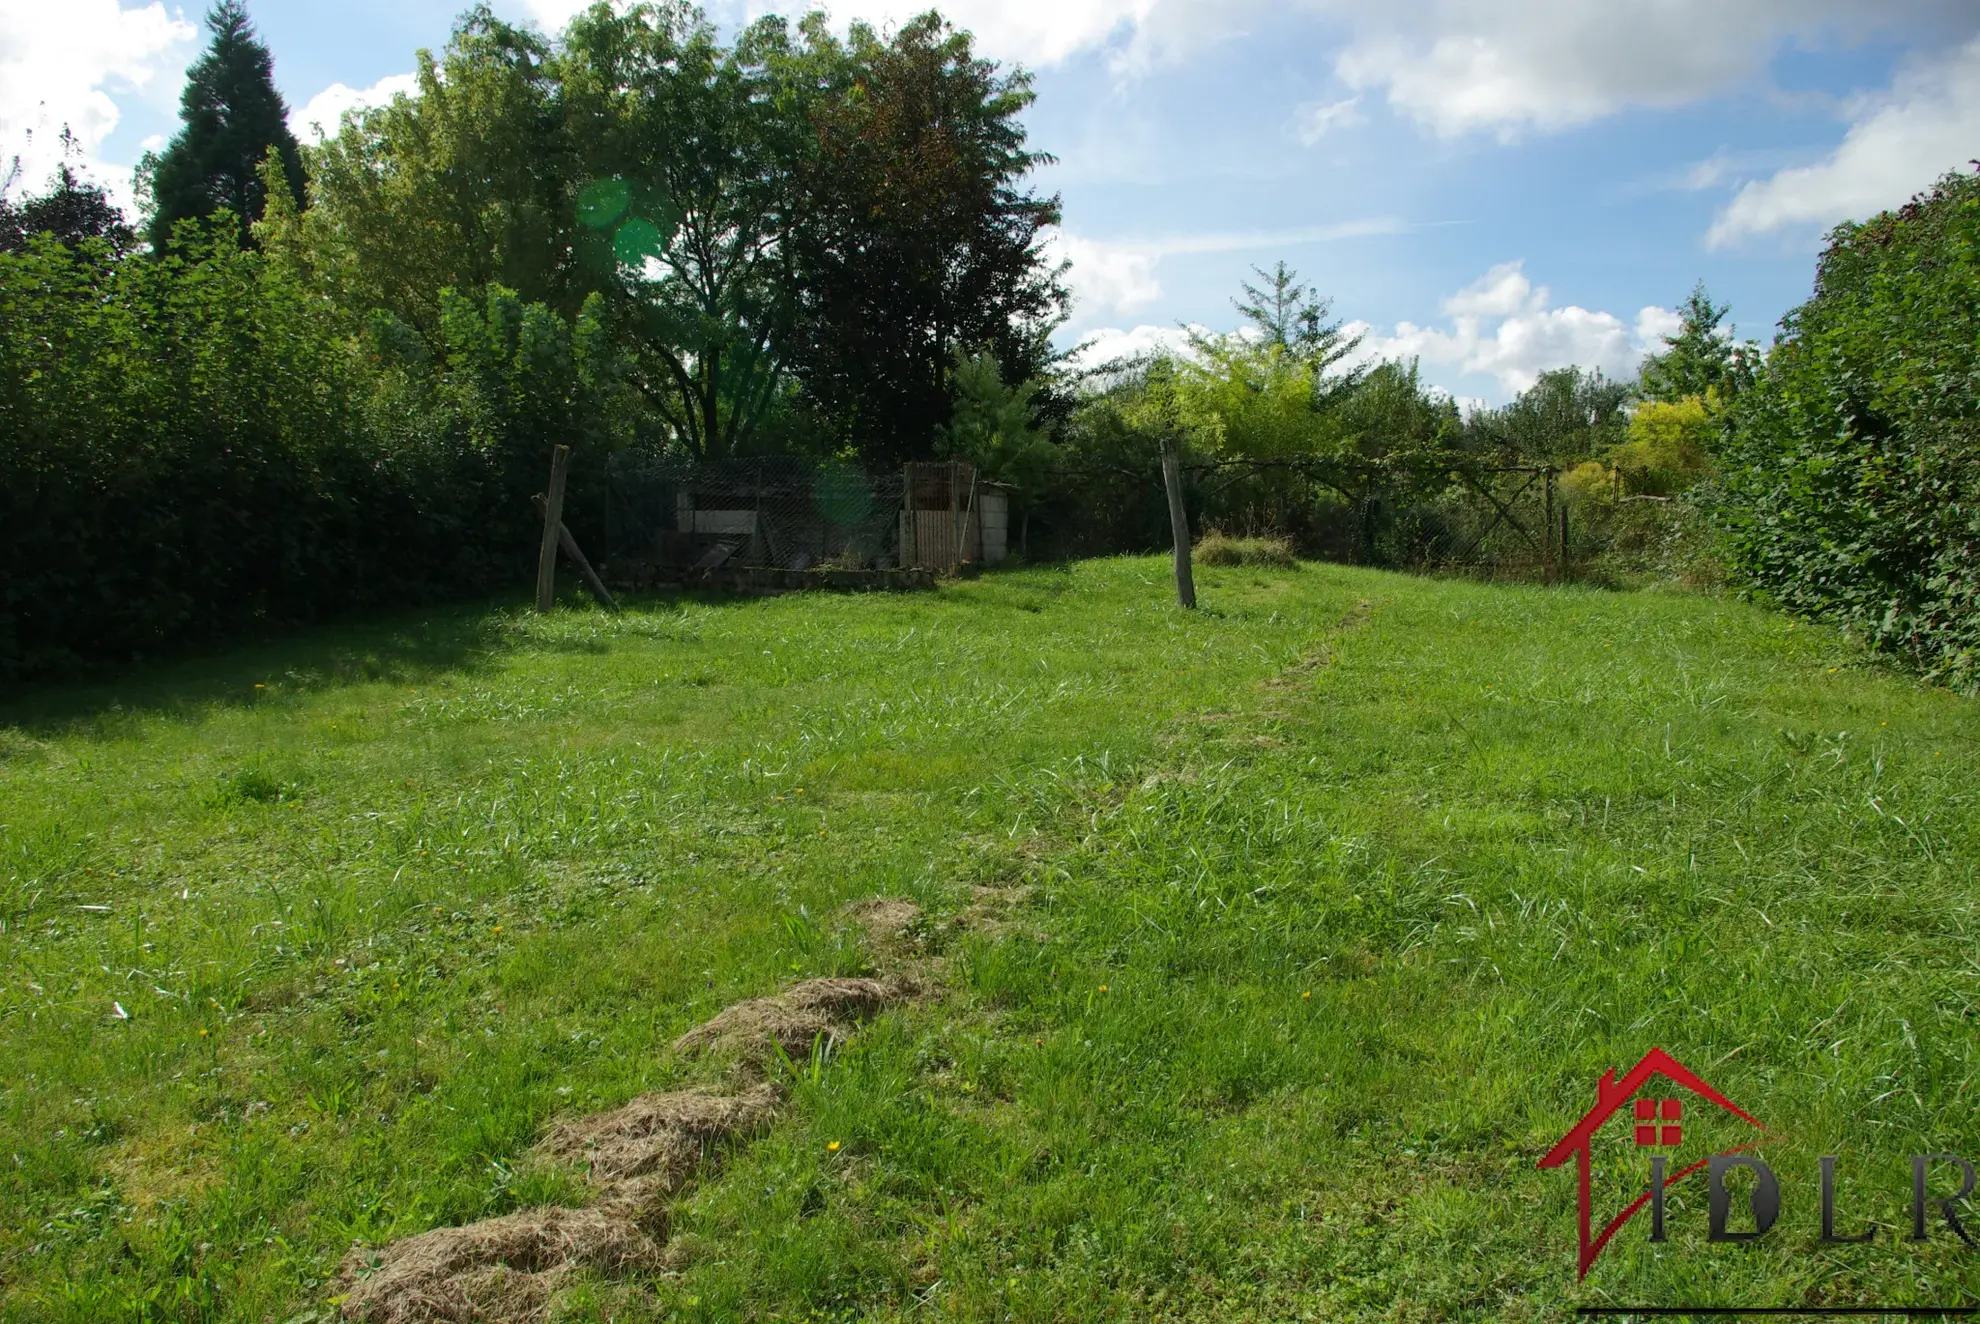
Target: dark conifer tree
(232, 115)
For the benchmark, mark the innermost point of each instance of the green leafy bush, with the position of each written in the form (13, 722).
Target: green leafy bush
(195, 446)
(1851, 474)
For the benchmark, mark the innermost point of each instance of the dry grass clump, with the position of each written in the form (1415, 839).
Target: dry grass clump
(506, 1269)
(817, 1009)
(890, 925)
(1219, 548)
(502, 1270)
(659, 1140)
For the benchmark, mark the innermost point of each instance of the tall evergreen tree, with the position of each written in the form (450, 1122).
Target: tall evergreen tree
(1701, 357)
(1291, 315)
(232, 115)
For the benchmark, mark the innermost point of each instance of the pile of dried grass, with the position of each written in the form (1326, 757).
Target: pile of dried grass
(659, 1140)
(505, 1270)
(826, 1010)
(502, 1270)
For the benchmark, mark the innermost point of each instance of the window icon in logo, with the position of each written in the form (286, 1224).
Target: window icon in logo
(1648, 1133)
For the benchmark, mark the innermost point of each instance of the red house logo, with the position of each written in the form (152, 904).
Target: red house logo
(1657, 1124)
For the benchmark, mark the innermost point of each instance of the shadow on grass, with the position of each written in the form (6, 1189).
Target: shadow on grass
(402, 647)
(408, 646)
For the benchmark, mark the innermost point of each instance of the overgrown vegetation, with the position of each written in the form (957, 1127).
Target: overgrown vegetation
(192, 452)
(304, 400)
(1852, 471)
(1219, 548)
(1289, 436)
(1346, 890)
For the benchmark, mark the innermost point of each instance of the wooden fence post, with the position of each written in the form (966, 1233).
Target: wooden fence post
(583, 563)
(954, 540)
(553, 523)
(1172, 479)
(1547, 541)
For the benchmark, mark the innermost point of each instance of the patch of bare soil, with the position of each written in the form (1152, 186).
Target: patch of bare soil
(501, 1270)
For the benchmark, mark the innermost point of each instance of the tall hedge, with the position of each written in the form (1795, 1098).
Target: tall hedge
(195, 446)
(1851, 488)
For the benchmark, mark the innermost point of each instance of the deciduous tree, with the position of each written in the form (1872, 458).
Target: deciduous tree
(919, 238)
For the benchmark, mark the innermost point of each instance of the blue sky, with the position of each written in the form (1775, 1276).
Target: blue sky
(1496, 187)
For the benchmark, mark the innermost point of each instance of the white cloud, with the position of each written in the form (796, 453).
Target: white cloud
(1115, 277)
(325, 112)
(1109, 343)
(1453, 65)
(1501, 325)
(1504, 326)
(60, 64)
(1120, 275)
(1654, 324)
(1314, 120)
(1504, 291)
(1928, 123)
(1462, 65)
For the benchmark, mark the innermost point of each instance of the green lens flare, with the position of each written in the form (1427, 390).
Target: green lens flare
(602, 202)
(842, 494)
(637, 240)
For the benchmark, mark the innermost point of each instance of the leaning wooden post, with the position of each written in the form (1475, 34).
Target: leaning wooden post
(583, 563)
(553, 523)
(1172, 479)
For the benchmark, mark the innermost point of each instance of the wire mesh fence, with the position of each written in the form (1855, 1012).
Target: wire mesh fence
(1510, 521)
(676, 520)
(771, 512)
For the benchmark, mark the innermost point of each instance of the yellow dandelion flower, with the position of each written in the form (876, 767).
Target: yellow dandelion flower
(832, 1148)
(1305, 995)
(1103, 988)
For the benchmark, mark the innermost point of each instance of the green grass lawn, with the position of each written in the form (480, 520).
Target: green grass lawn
(1344, 891)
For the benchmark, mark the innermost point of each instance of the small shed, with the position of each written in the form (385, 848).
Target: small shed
(950, 516)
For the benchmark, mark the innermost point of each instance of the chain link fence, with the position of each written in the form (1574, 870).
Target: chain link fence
(667, 517)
